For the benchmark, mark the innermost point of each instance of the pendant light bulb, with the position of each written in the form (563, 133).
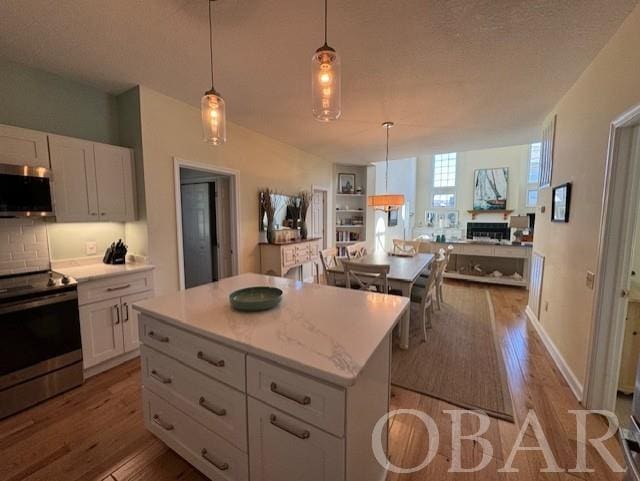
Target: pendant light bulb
(212, 106)
(325, 80)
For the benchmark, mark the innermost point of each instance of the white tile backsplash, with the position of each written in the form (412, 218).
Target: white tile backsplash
(23, 246)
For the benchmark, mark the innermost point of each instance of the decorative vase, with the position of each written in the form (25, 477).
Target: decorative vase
(271, 234)
(303, 229)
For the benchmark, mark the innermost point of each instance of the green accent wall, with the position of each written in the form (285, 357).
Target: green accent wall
(38, 100)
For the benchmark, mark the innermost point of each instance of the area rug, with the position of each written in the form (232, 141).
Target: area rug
(460, 362)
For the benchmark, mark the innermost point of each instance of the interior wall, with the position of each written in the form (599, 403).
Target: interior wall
(38, 100)
(67, 240)
(606, 89)
(401, 180)
(515, 158)
(172, 128)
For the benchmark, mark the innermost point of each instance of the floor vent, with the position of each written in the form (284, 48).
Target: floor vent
(535, 286)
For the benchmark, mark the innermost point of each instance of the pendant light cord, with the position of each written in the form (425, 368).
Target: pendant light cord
(325, 22)
(211, 42)
(386, 173)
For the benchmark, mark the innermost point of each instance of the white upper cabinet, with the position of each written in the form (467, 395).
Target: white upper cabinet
(74, 179)
(114, 173)
(91, 181)
(23, 147)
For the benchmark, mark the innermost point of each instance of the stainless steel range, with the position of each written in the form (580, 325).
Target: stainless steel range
(40, 344)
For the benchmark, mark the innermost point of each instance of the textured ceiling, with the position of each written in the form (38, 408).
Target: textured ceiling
(453, 75)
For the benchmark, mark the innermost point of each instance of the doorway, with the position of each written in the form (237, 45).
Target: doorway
(616, 336)
(207, 225)
(319, 214)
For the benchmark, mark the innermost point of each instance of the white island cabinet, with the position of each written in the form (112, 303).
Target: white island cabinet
(290, 394)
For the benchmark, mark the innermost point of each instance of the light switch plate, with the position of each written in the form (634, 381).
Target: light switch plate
(591, 279)
(91, 248)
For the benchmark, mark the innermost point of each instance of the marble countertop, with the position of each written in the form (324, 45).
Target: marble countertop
(296, 241)
(91, 272)
(327, 332)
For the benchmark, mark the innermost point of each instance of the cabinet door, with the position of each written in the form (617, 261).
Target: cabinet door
(630, 349)
(284, 448)
(74, 179)
(101, 328)
(114, 173)
(130, 319)
(23, 147)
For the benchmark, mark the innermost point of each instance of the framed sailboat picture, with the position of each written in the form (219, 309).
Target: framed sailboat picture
(490, 190)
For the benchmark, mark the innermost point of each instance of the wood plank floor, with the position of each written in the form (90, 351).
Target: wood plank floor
(96, 432)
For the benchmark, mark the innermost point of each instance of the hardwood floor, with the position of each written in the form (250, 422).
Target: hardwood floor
(96, 432)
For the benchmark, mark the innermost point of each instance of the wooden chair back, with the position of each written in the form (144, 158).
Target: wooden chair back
(357, 250)
(430, 284)
(367, 276)
(407, 247)
(329, 260)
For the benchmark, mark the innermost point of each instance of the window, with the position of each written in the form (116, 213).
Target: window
(533, 176)
(444, 170)
(444, 200)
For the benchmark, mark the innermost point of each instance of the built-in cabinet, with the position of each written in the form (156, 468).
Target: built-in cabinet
(202, 398)
(108, 324)
(23, 147)
(91, 181)
(278, 259)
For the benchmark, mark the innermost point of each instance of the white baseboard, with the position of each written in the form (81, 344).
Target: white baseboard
(111, 363)
(573, 382)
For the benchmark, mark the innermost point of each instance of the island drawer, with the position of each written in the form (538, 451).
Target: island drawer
(512, 251)
(205, 450)
(221, 408)
(209, 357)
(311, 400)
(478, 250)
(116, 286)
(284, 448)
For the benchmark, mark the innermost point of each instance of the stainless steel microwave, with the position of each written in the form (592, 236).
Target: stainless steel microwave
(25, 191)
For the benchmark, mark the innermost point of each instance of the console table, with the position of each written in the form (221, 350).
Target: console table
(278, 259)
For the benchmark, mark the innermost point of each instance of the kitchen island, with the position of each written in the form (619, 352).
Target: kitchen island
(290, 394)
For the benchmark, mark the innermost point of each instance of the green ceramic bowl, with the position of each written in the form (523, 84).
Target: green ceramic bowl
(254, 299)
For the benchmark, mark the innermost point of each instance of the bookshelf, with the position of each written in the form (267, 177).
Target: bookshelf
(350, 207)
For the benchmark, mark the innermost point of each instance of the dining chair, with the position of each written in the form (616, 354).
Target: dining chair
(405, 247)
(367, 277)
(357, 250)
(440, 279)
(425, 295)
(329, 260)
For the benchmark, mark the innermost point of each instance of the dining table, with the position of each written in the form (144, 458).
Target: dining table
(404, 270)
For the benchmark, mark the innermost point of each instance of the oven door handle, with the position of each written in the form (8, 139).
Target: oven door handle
(38, 302)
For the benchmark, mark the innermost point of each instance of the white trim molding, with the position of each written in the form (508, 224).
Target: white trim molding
(572, 380)
(234, 195)
(618, 219)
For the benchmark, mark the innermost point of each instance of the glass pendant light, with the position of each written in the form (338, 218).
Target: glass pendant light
(386, 202)
(212, 108)
(325, 80)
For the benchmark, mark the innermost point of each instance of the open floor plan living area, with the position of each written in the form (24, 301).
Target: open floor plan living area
(320, 241)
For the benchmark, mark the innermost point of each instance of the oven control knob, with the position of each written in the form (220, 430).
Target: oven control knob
(65, 280)
(51, 282)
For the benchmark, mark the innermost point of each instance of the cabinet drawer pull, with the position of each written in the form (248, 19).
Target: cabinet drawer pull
(301, 434)
(217, 464)
(210, 407)
(213, 362)
(161, 423)
(160, 377)
(304, 400)
(158, 337)
(118, 288)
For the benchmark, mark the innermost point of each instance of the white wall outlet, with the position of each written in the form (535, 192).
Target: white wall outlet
(91, 248)
(591, 279)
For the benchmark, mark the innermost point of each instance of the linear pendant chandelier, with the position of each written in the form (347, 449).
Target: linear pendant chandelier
(212, 106)
(325, 80)
(386, 202)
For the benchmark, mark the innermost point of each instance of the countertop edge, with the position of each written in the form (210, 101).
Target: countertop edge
(105, 275)
(343, 381)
